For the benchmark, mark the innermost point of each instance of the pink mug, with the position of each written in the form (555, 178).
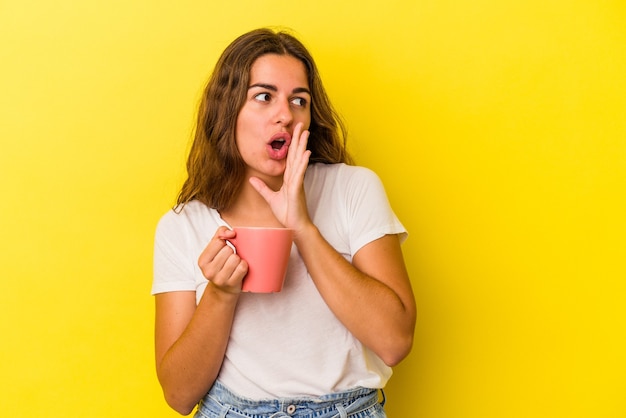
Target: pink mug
(266, 250)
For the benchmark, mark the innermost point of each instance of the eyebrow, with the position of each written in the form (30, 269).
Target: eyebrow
(274, 88)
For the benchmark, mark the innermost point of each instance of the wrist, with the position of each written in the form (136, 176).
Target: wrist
(305, 234)
(222, 293)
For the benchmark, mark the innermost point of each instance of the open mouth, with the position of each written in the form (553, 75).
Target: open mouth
(278, 144)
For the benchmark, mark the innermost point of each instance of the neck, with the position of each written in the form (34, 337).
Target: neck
(250, 209)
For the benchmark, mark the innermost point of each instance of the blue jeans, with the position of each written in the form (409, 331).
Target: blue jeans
(220, 402)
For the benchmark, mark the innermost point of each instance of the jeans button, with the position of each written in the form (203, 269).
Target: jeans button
(291, 409)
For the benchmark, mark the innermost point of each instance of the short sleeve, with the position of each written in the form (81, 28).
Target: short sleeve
(369, 213)
(172, 268)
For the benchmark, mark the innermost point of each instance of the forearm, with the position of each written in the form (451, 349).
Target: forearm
(190, 366)
(380, 315)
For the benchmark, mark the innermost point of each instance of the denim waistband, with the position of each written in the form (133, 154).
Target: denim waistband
(222, 402)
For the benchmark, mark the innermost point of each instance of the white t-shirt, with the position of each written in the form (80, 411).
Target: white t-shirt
(288, 344)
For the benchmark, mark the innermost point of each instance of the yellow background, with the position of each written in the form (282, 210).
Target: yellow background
(498, 128)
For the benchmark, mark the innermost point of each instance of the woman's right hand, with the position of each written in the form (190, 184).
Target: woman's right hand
(190, 339)
(220, 265)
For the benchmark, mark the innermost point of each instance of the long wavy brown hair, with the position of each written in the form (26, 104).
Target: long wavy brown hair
(215, 169)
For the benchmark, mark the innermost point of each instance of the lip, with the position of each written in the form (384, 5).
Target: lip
(280, 135)
(280, 153)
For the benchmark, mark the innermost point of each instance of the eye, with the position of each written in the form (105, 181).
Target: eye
(299, 101)
(263, 97)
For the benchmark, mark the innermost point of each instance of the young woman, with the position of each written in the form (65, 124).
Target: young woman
(269, 150)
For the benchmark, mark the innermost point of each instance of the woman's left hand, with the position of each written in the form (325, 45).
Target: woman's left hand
(289, 202)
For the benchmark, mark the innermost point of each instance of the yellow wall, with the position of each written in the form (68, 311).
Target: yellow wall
(498, 127)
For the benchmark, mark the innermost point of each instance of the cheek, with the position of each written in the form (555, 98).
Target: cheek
(305, 118)
(239, 132)
(243, 128)
(248, 121)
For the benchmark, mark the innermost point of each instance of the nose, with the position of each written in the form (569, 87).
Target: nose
(284, 115)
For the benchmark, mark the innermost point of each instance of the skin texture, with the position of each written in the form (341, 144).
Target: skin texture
(191, 340)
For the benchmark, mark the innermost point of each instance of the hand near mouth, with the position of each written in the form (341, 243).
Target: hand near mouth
(289, 202)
